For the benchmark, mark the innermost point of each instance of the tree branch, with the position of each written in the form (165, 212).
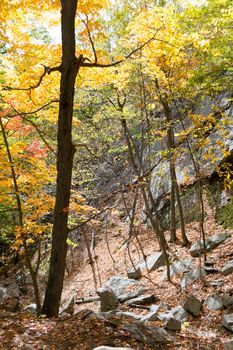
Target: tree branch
(92, 153)
(90, 38)
(102, 65)
(47, 70)
(22, 115)
(91, 218)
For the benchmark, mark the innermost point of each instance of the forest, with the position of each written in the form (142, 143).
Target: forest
(116, 174)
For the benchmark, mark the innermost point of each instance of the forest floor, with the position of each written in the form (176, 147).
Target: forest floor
(21, 331)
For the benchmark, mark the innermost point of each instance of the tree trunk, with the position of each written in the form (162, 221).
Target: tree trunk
(69, 70)
(33, 273)
(175, 193)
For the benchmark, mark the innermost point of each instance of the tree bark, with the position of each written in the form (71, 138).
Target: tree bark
(69, 70)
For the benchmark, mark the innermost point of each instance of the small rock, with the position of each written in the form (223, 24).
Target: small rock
(228, 345)
(143, 300)
(154, 312)
(150, 317)
(217, 283)
(153, 262)
(31, 309)
(215, 303)
(178, 313)
(227, 300)
(69, 306)
(178, 266)
(124, 288)
(161, 307)
(228, 268)
(108, 299)
(192, 275)
(209, 263)
(211, 243)
(210, 269)
(227, 322)
(193, 305)
(64, 315)
(172, 324)
(134, 273)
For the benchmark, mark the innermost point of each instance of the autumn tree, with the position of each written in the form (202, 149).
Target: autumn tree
(166, 49)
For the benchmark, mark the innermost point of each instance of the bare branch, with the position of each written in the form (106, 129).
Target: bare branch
(102, 65)
(91, 218)
(30, 113)
(92, 153)
(90, 37)
(47, 70)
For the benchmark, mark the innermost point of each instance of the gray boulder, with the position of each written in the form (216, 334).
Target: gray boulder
(211, 243)
(228, 268)
(160, 178)
(153, 262)
(193, 305)
(134, 273)
(192, 275)
(227, 322)
(108, 299)
(215, 302)
(228, 345)
(124, 288)
(9, 296)
(179, 266)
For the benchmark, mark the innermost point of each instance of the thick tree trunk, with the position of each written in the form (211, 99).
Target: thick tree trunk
(69, 70)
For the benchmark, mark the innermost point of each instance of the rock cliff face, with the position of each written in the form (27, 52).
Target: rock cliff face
(160, 180)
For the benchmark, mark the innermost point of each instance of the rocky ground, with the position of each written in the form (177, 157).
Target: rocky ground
(137, 325)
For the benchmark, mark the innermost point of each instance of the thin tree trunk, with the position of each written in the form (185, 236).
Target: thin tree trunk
(155, 225)
(175, 193)
(69, 70)
(199, 186)
(90, 258)
(173, 236)
(33, 273)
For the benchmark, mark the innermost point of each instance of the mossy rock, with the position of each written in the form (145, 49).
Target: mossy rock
(224, 215)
